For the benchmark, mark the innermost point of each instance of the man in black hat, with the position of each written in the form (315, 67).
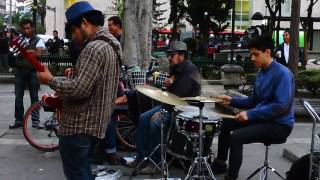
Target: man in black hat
(89, 95)
(184, 81)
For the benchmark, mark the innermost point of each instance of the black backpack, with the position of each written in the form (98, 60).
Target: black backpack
(299, 169)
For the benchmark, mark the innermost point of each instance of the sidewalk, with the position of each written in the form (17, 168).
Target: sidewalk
(297, 145)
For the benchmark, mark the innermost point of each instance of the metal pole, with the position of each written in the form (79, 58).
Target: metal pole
(10, 15)
(34, 15)
(233, 14)
(54, 10)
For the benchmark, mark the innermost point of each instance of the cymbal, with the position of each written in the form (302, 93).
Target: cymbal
(202, 99)
(160, 95)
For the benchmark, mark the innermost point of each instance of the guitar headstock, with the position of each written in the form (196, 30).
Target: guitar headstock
(17, 45)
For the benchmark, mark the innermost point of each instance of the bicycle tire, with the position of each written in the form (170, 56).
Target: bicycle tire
(35, 136)
(126, 131)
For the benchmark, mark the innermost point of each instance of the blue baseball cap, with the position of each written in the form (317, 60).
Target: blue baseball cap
(77, 9)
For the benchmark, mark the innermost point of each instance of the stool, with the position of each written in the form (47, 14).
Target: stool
(264, 168)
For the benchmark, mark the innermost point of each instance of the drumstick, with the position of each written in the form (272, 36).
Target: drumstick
(226, 116)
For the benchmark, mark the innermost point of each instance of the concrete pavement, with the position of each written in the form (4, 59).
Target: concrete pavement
(18, 160)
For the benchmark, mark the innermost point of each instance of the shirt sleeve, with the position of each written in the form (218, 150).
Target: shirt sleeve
(242, 102)
(87, 68)
(40, 44)
(281, 104)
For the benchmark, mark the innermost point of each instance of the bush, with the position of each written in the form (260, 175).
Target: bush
(310, 79)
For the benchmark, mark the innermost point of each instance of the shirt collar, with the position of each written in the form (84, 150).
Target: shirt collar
(95, 35)
(269, 67)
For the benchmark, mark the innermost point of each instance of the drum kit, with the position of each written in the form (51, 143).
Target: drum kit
(193, 124)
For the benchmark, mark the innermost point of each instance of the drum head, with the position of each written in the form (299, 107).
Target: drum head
(208, 116)
(186, 108)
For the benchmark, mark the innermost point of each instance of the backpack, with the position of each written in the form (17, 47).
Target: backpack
(299, 169)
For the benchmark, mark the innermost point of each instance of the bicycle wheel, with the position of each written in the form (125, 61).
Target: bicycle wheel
(126, 131)
(40, 127)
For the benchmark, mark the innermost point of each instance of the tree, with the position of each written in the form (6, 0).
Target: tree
(119, 7)
(208, 16)
(137, 33)
(308, 32)
(178, 12)
(41, 10)
(294, 36)
(273, 7)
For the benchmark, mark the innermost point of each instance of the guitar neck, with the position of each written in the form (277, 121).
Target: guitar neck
(32, 59)
(18, 45)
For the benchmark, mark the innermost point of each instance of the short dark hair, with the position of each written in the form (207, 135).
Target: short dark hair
(262, 43)
(116, 20)
(55, 31)
(287, 31)
(26, 21)
(95, 18)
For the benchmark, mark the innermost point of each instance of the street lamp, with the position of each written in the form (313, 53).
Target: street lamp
(54, 12)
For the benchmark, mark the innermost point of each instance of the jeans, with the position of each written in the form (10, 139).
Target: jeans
(75, 151)
(22, 78)
(267, 132)
(110, 139)
(149, 134)
(4, 67)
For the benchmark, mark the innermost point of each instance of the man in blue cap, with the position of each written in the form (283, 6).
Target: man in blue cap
(89, 95)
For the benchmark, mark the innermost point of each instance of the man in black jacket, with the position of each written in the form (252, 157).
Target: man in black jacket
(282, 53)
(54, 44)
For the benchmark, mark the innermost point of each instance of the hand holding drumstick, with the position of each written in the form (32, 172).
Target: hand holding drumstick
(240, 117)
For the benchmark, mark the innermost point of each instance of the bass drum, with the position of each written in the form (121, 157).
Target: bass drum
(180, 146)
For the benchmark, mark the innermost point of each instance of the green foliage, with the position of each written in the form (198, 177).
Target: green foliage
(310, 79)
(119, 7)
(2, 26)
(218, 14)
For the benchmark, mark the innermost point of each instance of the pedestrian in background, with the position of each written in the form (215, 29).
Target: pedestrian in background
(4, 50)
(25, 74)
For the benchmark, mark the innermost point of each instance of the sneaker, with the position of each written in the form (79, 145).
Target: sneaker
(218, 167)
(150, 169)
(133, 164)
(37, 126)
(15, 125)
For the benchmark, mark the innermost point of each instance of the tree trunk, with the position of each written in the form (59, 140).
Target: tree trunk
(137, 33)
(145, 32)
(294, 26)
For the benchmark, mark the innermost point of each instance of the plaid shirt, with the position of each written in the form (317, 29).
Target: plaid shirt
(89, 95)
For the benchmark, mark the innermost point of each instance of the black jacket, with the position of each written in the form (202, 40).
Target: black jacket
(282, 59)
(186, 80)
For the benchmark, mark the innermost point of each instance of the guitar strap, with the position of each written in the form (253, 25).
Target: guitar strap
(115, 47)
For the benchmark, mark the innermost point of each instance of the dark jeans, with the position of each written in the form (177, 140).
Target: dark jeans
(75, 152)
(149, 134)
(110, 139)
(23, 78)
(234, 134)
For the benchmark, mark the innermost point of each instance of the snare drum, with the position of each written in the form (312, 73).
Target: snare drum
(188, 123)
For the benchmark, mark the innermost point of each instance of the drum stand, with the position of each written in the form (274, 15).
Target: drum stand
(199, 160)
(163, 165)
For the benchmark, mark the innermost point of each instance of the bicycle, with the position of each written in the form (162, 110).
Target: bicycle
(48, 115)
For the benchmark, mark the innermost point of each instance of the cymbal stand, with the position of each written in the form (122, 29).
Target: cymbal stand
(163, 165)
(200, 160)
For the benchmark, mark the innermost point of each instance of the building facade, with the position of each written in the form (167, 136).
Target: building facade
(106, 6)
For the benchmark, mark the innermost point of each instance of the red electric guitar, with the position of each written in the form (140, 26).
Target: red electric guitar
(18, 46)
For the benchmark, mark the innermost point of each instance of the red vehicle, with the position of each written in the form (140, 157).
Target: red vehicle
(223, 41)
